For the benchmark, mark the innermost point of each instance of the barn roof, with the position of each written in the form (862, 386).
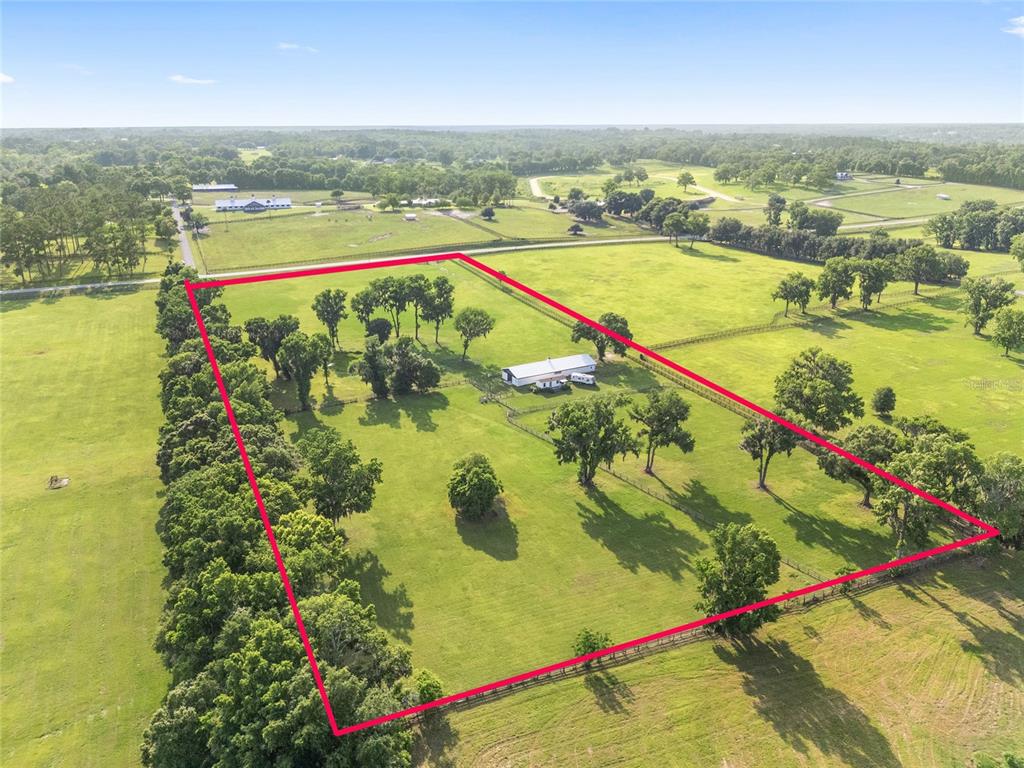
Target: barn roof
(551, 366)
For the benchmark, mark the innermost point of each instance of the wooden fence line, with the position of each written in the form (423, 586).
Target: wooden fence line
(799, 604)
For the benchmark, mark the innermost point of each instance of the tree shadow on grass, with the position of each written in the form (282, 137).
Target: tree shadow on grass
(649, 541)
(1001, 651)
(619, 372)
(611, 694)
(789, 694)
(381, 413)
(695, 251)
(698, 498)
(418, 408)
(867, 612)
(827, 327)
(856, 546)
(393, 607)
(437, 739)
(904, 319)
(495, 534)
(304, 421)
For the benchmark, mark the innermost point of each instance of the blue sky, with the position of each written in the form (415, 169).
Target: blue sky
(278, 63)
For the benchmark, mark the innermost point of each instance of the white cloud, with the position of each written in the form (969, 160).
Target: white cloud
(296, 47)
(182, 80)
(1016, 26)
(6, 78)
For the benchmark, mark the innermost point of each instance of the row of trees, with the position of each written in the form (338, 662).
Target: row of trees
(241, 689)
(57, 228)
(977, 225)
(802, 245)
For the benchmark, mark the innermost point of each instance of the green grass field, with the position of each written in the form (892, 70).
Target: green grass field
(80, 677)
(250, 156)
(81, 592)
(298, 196)
(495, 598)
(339, 235)
(923, 201)
(923, 350)
(926, 674)
(662, 179)
(84, 270)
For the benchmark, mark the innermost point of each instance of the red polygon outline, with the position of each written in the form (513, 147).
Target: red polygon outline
(192, 287)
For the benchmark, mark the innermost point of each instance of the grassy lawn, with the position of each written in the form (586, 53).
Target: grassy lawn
(336, 235)
(922, 201)
(81, 592)
(476, 601)
(250, 156)
(298, 196)
(84, 270)
(922, 675)
(662, 179)
(923, 350)
(330, 235)
(666, 292)
(523, 221)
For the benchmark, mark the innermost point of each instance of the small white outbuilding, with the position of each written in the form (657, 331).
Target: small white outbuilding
(555, 368)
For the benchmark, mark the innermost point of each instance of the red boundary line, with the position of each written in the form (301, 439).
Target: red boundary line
(192, 287)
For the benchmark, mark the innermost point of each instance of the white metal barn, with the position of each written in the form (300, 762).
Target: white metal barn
(545, 370)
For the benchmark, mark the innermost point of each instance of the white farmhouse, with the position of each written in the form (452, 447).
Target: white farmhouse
(547, 370)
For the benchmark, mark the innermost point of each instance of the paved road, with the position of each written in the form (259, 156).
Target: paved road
(15, 292)
(183, 237)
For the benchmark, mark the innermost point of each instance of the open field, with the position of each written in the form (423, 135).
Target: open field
(250, 156)
(336, 235)
(921, 675)
(505, 595)
(298, 196)
(81, 592)
(922, 201)
(662, 179)
(923, 349)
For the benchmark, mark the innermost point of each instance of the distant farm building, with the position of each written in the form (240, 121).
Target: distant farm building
(844, 176)
(214, 187)
(253, 205)
(552, 369)
(410, 217)
(943, 196)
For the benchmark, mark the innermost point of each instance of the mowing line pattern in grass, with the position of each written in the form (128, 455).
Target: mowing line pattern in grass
(987, 530)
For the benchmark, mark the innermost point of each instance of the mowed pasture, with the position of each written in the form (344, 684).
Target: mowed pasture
(662, 179)
(298, 196)
(909, 202)
(922, 349)
(81, 592)
(921, 674)
(335, 235)
(477, 601)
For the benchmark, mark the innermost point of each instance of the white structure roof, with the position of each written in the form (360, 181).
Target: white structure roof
(238, 203)
(550, 367)
(214, 188)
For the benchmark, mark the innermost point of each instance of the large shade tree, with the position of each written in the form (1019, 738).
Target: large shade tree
(745, 564)
(818, 388)
(661, 419)
(588, 433)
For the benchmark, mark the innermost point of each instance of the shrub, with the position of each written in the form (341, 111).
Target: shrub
(473, 486)
(428, 687)
(588, 641)
(883, 402)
